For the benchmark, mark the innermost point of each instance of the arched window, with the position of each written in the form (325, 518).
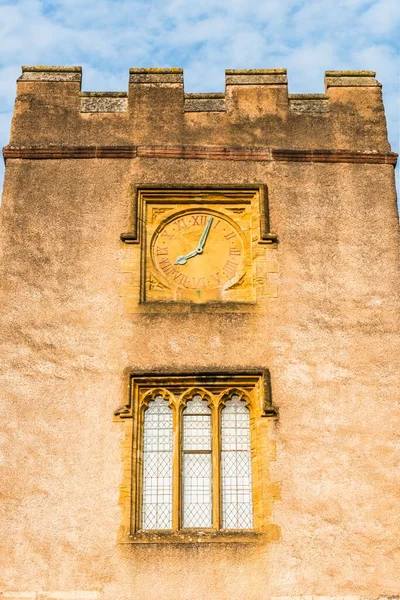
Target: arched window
(157, 465)
(197, 464)
(236, 480)
(214, 492)
(197, 452)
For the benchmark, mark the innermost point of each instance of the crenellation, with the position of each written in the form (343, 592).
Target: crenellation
(256, 94)
(254, 111)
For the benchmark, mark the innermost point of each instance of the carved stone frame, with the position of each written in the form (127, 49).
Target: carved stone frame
(255, 386)
(140, 192)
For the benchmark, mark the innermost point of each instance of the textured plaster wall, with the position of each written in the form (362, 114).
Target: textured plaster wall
(329, 339)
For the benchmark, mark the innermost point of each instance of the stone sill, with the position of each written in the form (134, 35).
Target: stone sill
(193, 536)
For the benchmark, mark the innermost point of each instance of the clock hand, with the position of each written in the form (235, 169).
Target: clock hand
(182, 260)
(204, 235)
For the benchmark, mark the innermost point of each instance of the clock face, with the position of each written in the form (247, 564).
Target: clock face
(199, 250)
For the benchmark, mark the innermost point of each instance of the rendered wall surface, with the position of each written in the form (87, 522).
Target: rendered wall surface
(68, 330)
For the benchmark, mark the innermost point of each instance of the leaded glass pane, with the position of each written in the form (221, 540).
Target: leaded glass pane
(157, 466)
(196, 464)
(237, 505)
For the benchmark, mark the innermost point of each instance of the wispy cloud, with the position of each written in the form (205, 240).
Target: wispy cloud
(107, 37)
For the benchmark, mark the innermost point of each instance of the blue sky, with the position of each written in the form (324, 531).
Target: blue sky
(205, 37)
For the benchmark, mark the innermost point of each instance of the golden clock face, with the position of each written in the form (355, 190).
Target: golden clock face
(199, 250)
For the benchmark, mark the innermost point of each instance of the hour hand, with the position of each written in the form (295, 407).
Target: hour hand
(182, 260)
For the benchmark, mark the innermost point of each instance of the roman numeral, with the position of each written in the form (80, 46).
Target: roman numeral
(167, 266)
(200, 282)
(234, 251)
(230, 268)
(230, 235)
(216, 277)
(180, 278)
(216, 223)
(161, 251)
(181, 224)
(199, 219)
(168, 235)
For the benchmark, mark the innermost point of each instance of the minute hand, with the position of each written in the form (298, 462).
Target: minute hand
(204, 235)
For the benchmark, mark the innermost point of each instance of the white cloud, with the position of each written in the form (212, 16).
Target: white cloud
(383, 18)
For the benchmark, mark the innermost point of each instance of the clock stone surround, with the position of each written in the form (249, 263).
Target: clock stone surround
(244, 280)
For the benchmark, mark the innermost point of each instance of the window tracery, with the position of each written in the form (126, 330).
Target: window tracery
(195, 456)
(212, 466)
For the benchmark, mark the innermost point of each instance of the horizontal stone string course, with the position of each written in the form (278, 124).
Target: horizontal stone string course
(47, 595)
(97, 595)
(199, 152)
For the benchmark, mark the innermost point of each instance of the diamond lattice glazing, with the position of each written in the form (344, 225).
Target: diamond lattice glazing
(157, 466)
(237, 506)
(197, 468)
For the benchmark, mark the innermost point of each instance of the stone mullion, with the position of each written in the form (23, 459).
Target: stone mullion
(177, 467)
(137, 450)
(216, 464)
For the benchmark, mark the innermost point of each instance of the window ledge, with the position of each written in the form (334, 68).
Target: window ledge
(188, 536)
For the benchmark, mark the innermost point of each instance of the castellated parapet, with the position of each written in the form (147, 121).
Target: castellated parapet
(255, 111)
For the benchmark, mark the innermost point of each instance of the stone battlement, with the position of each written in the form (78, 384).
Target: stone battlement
(254, 111)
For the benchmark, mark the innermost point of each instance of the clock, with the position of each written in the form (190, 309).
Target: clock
(199, 250)
(198, 253)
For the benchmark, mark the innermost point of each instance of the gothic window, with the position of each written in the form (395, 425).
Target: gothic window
(197, 464)
(157, 466)
(215, 492)
(195, 468)
(237, 505)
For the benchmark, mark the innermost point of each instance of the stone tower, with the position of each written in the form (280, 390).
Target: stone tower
(200, 351)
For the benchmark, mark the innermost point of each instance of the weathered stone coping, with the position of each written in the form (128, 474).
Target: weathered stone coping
(50, 68)
(350, 73)
(308, 97)
(204, 103)
(174, 76)
(351, 79)
(309, 103)
(51, 73)
(256, 77)
(103, 94)
(159, 76)
(199, 152)
(103, 102)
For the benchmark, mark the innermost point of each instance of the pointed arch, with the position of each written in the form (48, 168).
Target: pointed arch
(157, 470)
(236, 472)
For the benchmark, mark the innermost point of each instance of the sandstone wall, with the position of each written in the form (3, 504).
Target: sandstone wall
(329, 338)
